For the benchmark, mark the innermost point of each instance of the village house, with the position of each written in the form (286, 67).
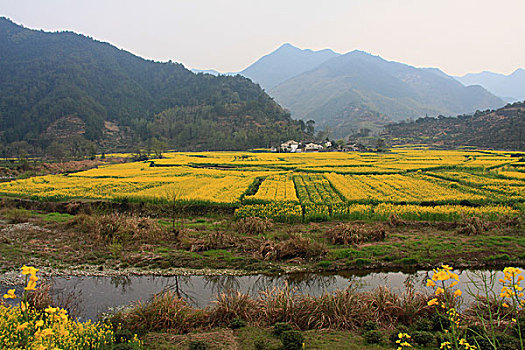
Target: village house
(313, 147)
(290, 146)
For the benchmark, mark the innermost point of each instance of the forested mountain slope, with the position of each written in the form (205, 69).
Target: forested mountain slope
(500, 129)
(67, 89)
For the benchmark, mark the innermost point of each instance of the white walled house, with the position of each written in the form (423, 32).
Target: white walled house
(290, 146)
(313, 147)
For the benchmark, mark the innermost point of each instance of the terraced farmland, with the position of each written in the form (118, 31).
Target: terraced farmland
(411, 183)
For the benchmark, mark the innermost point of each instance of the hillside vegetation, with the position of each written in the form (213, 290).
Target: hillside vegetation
(500, 129)
(65, 89)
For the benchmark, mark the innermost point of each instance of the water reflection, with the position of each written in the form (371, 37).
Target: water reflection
(98, 294)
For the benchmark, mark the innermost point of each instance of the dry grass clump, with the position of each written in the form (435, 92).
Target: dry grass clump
(214, 240)
(120, 228)
(356, 233)
(387, 308)
(394, 220)
(164, 311)
(472, 226)
(253, 225)
(294, 247)
(342, 310)
(41, 298)
(231, 305)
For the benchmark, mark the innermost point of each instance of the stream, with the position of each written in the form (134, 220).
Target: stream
(95, 295)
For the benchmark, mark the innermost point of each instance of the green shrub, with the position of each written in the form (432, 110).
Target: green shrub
(292, 340)
(440, 323)
(324, 263)
(260, 344)
(197, 345)
(124, 346)
(123, 336)
(369, 326)
(481, 343)
(373, 337)
(506, 342)
(237, 323)
(362, 261)
(408, 261)
(423, 338)
(395, 336)
(281, 327)
(498, 257)
(424, 324)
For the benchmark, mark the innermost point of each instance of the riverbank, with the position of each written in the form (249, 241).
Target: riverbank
(323, 312)
(110, 243)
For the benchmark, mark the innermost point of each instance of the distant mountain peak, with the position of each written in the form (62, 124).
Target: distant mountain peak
(285, 62)
(510, 87)
(348, 91)
(288, 46)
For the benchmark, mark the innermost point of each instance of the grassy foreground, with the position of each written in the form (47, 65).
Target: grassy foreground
(243, 339)
(127, 241)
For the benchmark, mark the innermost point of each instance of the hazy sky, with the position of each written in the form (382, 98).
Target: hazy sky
(458, 36)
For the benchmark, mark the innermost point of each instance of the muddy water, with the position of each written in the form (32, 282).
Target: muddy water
(96, 295)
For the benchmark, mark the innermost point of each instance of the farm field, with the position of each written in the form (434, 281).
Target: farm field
(414, 184)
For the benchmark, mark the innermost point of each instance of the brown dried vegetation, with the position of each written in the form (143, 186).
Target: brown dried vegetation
(354, 234)
(253, 225)
(343, 310)
(296, 246)
(118, 227)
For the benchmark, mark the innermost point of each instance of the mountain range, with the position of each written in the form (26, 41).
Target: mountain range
(509, 87)
(347, 92)
(284, 63)
(65, 92)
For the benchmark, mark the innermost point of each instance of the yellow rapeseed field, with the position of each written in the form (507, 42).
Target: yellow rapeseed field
(322, 185)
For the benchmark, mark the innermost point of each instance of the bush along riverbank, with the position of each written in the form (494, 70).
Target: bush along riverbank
(283, 318)
(433, 320)
(130, 243)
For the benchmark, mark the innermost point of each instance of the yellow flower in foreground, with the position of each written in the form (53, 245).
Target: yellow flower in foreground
(457, 293)
(47, 332)
(439, 291)
(433, 302)
(445, 345)
(29, 270)
(10, 294)
(22, 326)
(51, 310)
(505, 305)
(31, 285)
(39, 323)
(431, 283)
